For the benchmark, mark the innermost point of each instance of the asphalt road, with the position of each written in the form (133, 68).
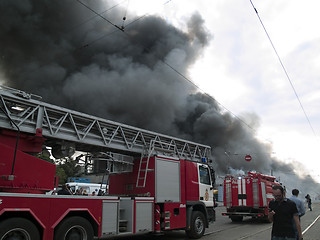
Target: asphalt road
(248, 229)
(251, 229)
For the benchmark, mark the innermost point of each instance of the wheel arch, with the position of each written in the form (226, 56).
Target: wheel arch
(84, 214)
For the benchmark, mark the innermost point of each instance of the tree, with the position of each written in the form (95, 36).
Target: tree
(67, 167)
(45, 155)
(61, 174)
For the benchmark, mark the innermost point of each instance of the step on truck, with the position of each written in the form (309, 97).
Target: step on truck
(248, 196)
(156, 183)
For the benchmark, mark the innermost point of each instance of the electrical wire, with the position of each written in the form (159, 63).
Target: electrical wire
(124, 18)
(284, 69)
(125, 15)
(208, 95)
(91, 18)
(86, 6)
(96, 40)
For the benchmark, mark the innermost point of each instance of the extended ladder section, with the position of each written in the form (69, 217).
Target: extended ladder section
(89, 133)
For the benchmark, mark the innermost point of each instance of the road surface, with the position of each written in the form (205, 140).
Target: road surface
(248, 229)
(251, 229)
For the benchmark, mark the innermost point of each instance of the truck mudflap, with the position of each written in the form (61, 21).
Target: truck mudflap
(211, 215)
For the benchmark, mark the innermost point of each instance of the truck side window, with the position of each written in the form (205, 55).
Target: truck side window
(204, 175)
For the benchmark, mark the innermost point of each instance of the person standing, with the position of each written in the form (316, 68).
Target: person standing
(300, 207)
(282, 212)
(298, 202)
(64, 190)
(309, 201)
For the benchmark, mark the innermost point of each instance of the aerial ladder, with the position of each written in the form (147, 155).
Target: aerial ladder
(66, 130)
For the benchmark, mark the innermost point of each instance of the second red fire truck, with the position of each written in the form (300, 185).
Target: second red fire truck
(248, 196)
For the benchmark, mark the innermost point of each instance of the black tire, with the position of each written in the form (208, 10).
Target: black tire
(236, 218)
(75, 228)
(198, 225)
(18, 229)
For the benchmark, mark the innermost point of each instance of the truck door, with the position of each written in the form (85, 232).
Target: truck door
(205, 185)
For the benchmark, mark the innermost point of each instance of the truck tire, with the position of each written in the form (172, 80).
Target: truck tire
(18, 229)
(197, 226)
(75, 228)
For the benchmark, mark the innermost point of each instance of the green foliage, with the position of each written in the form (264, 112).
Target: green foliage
(67, 167)
(61, 174)
(45, 155)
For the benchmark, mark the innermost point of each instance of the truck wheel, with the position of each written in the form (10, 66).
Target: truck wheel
(197, 227)
(236, 218)
(18, 229)
(74, 228)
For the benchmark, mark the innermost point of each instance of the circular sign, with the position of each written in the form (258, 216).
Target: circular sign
(248, 158)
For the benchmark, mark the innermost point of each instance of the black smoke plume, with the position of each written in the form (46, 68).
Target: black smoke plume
(73, 58)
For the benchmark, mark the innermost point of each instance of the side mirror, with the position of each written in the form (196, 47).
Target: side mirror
(213, 175)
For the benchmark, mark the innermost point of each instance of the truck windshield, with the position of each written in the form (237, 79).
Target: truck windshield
(204, 175)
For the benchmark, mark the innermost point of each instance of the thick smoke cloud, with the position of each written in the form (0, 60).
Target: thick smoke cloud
(73, 58)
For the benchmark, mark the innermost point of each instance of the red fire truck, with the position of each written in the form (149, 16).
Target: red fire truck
(248, 196)
(162, 183)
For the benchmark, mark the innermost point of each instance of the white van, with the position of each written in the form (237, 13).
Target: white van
(88, 187)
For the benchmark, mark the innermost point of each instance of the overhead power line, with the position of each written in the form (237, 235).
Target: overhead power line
(91, 18)
(99, 15)
(284, 69)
